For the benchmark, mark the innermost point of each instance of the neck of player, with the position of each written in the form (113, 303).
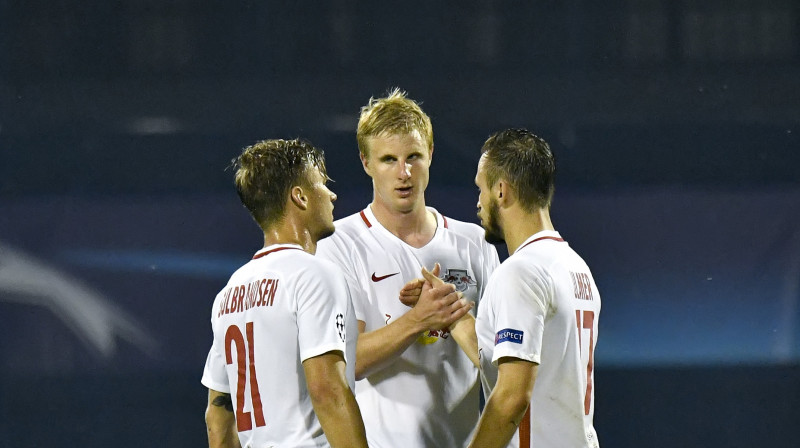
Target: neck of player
(518, 225)
(289, 231)
(415, 227)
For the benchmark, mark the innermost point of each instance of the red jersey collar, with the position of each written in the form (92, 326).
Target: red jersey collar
(539, 236)
(275, 248)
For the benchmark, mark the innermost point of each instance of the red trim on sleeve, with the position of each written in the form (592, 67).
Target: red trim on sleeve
(444, 218)
(262, 254)
(364, 217)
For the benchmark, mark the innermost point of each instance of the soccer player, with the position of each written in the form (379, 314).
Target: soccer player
(537, 323)
(280, 371)
(415, 387)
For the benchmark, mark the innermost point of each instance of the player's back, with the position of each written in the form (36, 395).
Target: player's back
(563, 398)
(266, 321)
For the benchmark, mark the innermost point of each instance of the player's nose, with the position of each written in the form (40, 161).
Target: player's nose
(405, 170)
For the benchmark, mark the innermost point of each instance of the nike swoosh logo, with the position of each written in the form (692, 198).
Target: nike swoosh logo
(375, 278)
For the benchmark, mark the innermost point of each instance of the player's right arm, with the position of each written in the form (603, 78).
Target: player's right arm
(220, 422)
(507, 404)
(375, 349)
(438, 307)
(333, 401)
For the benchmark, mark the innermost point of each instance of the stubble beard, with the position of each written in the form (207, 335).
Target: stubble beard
(493, 233)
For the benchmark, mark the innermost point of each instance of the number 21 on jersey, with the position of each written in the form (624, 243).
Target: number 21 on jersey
(245, 364)
(585, 321)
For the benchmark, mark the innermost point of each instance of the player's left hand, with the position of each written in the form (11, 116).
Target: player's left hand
(409, 294)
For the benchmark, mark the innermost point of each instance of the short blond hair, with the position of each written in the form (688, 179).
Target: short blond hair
(394, 114)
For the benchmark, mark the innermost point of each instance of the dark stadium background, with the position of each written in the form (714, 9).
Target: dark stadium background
(676, 126)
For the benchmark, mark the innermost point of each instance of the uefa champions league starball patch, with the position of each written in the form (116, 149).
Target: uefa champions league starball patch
(340, 326)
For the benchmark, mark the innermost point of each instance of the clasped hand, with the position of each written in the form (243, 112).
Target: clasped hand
(436, 304)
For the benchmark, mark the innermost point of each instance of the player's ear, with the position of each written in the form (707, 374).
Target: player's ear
(299, 197)
(503, 193)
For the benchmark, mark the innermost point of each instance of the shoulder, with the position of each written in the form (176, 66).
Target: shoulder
(317, 272)
(518, 280)
(292, 264)
(316, 265)
(464, 229)
(349, 228)
(551, 255)
(279, 259)
(520, 268)
(348, 234)
(473, 236)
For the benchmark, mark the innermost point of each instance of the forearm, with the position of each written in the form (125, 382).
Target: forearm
(507, 403)
(439, 305)
(333, 401)
(500, 419)
(223, 439)
(378, 348)
(220, 423)
(340, 418)
(463, 331)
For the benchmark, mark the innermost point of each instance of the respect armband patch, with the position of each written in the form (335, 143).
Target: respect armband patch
(508, 335)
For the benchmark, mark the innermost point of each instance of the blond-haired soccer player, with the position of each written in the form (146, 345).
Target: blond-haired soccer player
(280, 371)
(416, 387)
(537, 323)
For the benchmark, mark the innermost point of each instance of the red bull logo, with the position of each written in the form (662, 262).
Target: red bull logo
(460, 278)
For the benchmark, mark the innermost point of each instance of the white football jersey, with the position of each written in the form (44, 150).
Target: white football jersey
(429, 396)
(279, 309)
(542, 305)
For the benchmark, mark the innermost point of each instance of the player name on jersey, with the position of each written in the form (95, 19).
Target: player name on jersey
(244, 297)
(581, 285)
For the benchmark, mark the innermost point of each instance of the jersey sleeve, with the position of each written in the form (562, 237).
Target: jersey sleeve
(334, 249)
(520, 305)
(322, 309)
(214, 374)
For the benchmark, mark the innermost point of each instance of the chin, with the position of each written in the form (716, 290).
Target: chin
(408, 203)
(400, 206)
(492, 234)
(493, 238)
